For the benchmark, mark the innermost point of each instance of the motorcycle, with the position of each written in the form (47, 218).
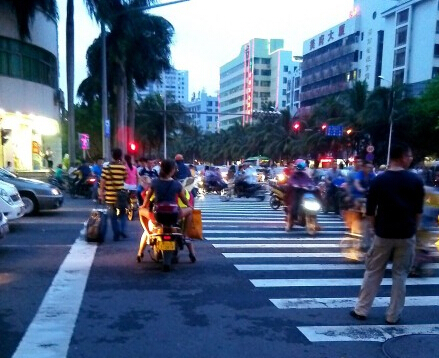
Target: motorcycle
(165, 236)
(277, 196)
(84, 189)
(55, 182)
(211, 186)
(133, 205)
(359, 236)
(309, 206)
(248, 190)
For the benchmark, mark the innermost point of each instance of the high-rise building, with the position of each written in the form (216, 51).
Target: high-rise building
(174, 82)
(203, 110)
(30, 99)
(257, 76)
(411, 44)
(384, 42)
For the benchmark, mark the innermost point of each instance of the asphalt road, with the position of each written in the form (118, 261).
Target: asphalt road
(255, 291)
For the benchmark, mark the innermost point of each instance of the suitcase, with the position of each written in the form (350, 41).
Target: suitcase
(96, 227)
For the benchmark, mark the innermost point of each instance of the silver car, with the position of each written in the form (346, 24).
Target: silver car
(36, 195)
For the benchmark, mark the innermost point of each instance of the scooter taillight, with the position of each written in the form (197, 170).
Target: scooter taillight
(167, 237)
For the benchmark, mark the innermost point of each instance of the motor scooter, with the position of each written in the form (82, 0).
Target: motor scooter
(165, 236)
(84, 189)
(308, 208)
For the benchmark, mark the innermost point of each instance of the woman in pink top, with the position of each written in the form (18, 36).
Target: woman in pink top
(132, 179)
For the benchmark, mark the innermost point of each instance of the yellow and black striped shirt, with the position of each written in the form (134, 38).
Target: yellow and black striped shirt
(114, 176)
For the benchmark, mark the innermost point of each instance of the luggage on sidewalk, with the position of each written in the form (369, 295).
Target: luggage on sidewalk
(196, 230)
(96, 227)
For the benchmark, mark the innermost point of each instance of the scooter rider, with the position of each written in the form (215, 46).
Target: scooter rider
(298, 183)
(84, 172)
(362, 182)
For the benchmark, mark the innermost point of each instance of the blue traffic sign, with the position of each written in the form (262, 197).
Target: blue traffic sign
(334, 131)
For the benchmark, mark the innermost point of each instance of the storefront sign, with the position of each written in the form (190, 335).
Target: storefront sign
(84, 141)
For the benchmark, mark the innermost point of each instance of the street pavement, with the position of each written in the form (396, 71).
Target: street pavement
(255, 291)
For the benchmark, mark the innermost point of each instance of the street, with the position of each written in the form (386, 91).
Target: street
(255, 291)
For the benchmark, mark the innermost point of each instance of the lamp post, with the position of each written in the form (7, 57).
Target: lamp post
(391, 100)
(104, 89)
(164, 126)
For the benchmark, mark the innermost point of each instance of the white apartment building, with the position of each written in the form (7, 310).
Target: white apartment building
(30, 98)
(411, 44)
(384, 42)
(174, 83)
(258, 75)
(203, 110)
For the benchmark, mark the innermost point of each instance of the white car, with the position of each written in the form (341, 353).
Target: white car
(11, 204)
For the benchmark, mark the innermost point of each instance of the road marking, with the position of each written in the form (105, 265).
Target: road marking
(312, 267)
(329, 282)
(275, 231)
(273, 238)
(348, 302)
(369, 333)
(50, 332)
(275, 246)
(250, 255)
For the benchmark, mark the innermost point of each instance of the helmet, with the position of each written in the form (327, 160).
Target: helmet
(300, 164)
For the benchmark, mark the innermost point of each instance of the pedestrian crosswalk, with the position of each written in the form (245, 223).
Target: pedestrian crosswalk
(308, 273)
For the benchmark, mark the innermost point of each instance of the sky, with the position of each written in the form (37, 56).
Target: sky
(210, 33)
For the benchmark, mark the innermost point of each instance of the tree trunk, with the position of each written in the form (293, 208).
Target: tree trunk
(70, 60)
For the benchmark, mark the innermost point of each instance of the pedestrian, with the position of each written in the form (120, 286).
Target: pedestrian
(49, 157)
(394, 208)
(9, 167)
(112, 180)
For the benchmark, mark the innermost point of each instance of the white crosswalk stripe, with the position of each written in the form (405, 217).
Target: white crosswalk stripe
(246, 231)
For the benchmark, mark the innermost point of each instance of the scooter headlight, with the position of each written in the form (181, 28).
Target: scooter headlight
(281, 177)
(311, 205)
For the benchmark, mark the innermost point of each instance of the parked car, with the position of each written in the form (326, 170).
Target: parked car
(11, 204)
(36, 195)
(4, 227)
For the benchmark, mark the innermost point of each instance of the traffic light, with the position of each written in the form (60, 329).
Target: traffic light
(5, 135)
(349, 131)
(324, 126)
(132, 148)
(296, 126)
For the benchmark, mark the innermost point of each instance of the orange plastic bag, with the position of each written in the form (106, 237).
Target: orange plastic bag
(196, 229)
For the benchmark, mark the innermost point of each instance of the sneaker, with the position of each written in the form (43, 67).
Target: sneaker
(357, 316)
(392, 323)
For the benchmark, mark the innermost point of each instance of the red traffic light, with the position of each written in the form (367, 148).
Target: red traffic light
(132, 147)
(324, 126)
(296, 126)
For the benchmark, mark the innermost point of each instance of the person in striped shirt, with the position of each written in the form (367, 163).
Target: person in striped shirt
(112, 180)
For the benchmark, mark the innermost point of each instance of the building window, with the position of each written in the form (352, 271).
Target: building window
(285, 80)
(398, 77)
(28, 62)
(399, 59)
(285, 68)
(209, 103)
(284, 92)
(401, 36)
(361, 55)
(265, 83)
(284, 104)
(265, 72)
(436, 50)
(265, 61)
(256, 72)
(437, 27)
(435, 72)
(362, 36)
(402, 17)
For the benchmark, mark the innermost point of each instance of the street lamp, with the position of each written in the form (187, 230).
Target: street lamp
(104, 103)
(391, 99)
